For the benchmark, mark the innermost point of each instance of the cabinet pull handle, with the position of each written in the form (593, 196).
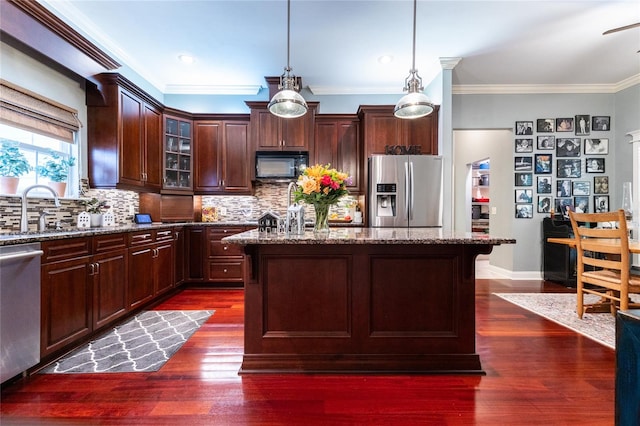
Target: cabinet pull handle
(97, 269)
(92, 269)
(177, 235)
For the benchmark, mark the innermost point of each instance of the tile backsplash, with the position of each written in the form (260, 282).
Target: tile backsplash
(267, 197)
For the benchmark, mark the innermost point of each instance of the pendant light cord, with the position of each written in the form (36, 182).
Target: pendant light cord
(415, 8)
(289, 33)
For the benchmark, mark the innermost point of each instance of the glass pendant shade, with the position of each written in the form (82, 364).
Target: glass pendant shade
(413, 105)
(288, 103)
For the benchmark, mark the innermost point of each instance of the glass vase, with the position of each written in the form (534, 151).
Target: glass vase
(321, 227)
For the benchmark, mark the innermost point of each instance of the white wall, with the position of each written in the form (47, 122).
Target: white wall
(473, 145)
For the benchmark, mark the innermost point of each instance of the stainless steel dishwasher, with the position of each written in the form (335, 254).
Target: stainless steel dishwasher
(19, 308)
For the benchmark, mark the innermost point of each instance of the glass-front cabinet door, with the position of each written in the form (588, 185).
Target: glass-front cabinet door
(177, 154)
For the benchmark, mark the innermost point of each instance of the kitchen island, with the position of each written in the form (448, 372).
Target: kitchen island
(362, 300)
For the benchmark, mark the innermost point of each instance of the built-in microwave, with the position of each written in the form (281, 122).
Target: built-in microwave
(280, 165)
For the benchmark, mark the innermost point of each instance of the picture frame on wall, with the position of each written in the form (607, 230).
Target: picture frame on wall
(581, 187)
(563, 188)
(547, 142)
(594, 165)
(596, 146)
(568, 168)
(544, 184)
(524, 195)
(568, 147)
(545, 125)
(581, 204)
(601, 184)
(544, 204)
(524, 145)
(600, 123)
(583, 125)
(563, 205)
(524, 211)
(601, 203)
(523, 164)
(544, 163)
(524, 127)
(564, 124)
(523, 179)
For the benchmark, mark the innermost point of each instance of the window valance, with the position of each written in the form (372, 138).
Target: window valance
(27, 110)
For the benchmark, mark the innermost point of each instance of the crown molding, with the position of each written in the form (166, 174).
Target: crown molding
(520, 89)
(184, 89)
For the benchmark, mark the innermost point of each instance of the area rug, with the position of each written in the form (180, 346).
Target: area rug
(561, 308)
(142, 344)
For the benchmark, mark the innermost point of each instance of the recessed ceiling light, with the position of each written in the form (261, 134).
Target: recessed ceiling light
(385, 59)
(187, 59)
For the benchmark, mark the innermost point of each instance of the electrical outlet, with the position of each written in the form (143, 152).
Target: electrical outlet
(494, 210)
(132, 211)
(222, 210)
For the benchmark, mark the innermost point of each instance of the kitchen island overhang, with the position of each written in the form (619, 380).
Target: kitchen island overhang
(362, 300)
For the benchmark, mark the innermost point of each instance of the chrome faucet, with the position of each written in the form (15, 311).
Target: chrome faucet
(24, 222)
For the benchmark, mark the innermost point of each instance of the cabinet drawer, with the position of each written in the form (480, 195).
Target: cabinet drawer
(164, 235)
(230, 270)
(72, 248)
(141, 237)
(102, 243)
(216, 248)
(220, 233)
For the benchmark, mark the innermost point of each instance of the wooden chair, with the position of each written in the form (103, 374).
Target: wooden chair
(603, 265)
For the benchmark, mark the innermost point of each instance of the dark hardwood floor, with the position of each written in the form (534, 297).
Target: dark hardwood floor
(537, 373)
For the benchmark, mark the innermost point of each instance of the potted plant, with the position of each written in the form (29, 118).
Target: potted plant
(95, 207)
(56, 168)
(13, 164)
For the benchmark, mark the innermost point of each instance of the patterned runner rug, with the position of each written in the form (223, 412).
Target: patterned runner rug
(143, 343)
(561, 308)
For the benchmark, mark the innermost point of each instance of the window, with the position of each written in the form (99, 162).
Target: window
(43, 129)
(38, 149)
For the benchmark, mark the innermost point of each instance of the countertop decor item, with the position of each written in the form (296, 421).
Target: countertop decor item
(321, 186)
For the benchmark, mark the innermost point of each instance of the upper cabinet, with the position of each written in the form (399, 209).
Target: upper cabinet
(272, 133)
(177, 155)
(124, 136)
(222, 156)
(338, 142)
(383, 133)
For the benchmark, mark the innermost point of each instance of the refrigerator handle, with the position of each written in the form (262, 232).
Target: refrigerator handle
(412, 189)
(407, 182)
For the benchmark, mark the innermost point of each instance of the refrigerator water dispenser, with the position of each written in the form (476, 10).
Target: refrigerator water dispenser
(386, 200)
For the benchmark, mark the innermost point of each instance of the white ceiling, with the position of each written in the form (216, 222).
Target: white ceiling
(335, 45)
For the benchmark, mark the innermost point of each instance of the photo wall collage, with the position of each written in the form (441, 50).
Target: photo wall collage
(564, 160)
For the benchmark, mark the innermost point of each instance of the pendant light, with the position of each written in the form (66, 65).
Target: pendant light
(414, 104)
(288, 103)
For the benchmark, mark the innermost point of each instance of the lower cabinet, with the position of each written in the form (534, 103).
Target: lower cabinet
(151, 265)
(88, 283)
(81, 292)
(225, 262)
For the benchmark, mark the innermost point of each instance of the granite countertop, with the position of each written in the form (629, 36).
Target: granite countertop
(370, 236)
(16, 237)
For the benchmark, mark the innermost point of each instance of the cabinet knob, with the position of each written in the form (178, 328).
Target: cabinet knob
(224, 270)
(225, 247)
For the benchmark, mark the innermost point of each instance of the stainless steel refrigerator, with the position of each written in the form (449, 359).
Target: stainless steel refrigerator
(405, 191)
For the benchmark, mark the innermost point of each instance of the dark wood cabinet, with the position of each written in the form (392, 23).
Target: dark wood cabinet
(66, 297)
(272, 133)
(151, 265)
(338, 142)
(124, 136)
(177, 159)
(222, 157)
(194, 260)
(382, 131)
(225, 262)
(82, 287)
(179, 251)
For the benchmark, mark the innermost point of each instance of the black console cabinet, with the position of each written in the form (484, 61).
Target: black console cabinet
(559, 260)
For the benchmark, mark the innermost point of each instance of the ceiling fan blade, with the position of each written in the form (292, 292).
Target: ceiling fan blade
(626, 27)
